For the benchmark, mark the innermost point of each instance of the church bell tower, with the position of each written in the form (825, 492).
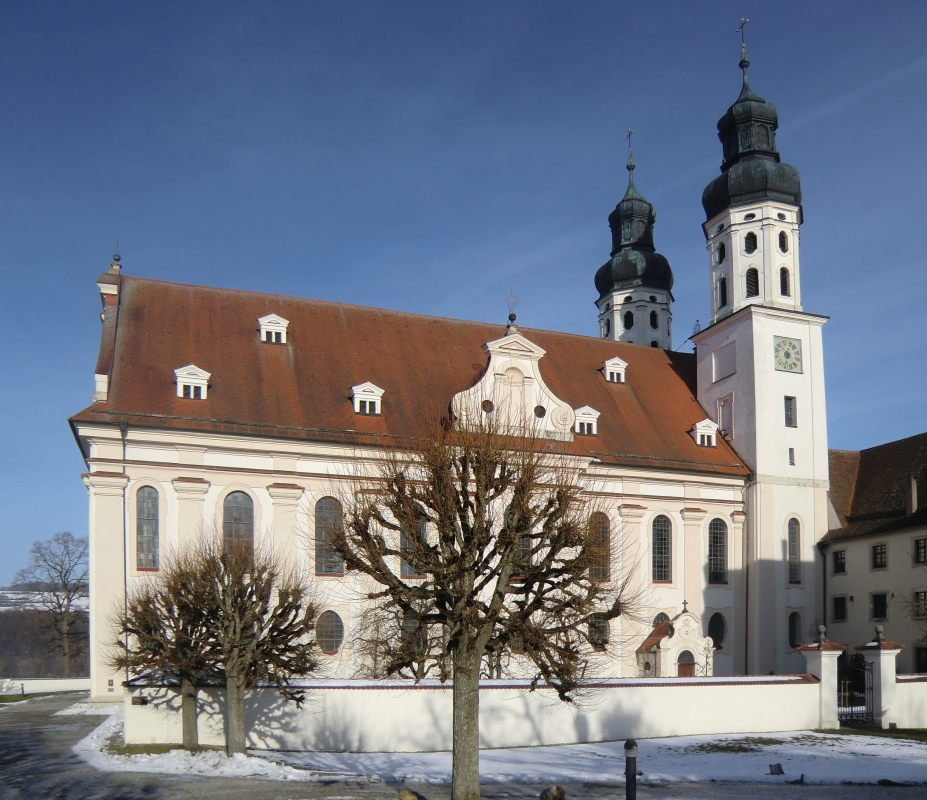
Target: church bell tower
(635, 284)
(760, 370)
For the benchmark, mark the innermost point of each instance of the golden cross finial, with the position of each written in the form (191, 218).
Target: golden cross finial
(743, 42)
(630, 152)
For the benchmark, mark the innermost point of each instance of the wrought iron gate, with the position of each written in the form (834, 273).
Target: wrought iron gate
(854, 690)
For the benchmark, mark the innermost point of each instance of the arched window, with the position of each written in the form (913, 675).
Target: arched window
(794, 553)
(600, 547)
(660, 618)
(717, 629)
(750, 242)
(722, 253)
(328, 520)
(785, 287)
(408, 544)
(722, 292)
(794, 629)
(628, 320)
(654, 343)
(598, 632)
(238, 523)
(329, 632)
(654, 320)
(753, 282)
(685, 665)
(662, 549)
(608, 328)
(146, 528)
(717, 551)
(783, 241)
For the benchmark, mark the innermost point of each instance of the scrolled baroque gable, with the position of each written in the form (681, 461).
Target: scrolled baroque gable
(512, 392)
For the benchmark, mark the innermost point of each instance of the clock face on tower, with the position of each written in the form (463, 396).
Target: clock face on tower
(787, 353)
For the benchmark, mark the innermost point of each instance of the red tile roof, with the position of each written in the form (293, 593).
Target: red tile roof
(868, 488)
(302, 389)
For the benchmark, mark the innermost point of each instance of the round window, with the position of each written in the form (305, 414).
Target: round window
(540, 412)
(329, 632)
(487, 406)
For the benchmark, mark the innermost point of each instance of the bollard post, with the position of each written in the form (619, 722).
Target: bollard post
(22, 688)
(630, 769)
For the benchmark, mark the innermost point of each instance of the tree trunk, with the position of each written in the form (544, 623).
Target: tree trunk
(235, 696)
(188, 713)
(66, 647)
(465, 772)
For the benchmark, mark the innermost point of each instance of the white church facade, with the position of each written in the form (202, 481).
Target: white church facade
(247, 414)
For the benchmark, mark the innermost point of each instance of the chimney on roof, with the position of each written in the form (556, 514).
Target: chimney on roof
(911, 494)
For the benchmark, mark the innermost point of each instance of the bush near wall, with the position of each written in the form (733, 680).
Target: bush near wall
(25, 651)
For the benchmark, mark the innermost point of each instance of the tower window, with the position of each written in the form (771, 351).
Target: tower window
(785, 288)
(791, 456)
(722, 292)
(654, 344)
(783, 242)
(628, 320)
(722, 253)
(717, 629)
(607, 329)
(794, 551)
(794, 629)
(791, 412)
(750, 242)
(762, 137)
(753, 282)
(654, 320)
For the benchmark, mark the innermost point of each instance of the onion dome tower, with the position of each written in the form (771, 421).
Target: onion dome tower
(635, 284)
(753, 210)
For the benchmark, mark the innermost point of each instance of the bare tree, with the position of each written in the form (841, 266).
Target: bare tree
(57, 577)
(262, 620)
(478, 546)
(166, 631)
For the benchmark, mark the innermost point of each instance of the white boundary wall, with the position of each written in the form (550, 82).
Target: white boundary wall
(358, 716)
(40, 685)
(910, 701)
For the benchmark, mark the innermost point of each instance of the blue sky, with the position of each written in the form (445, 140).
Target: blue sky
(430, 157)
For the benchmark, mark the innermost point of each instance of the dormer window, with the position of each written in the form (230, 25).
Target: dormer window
(587, 421)
(614, 370)
(273, 329)
(368, 399)
(705, 433)
(192, 382)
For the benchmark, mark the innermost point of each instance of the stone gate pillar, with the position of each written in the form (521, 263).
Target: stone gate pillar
(821, 661)
(881, 654)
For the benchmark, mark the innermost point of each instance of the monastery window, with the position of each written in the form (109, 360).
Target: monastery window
(839, 609)
(654, 320)
(840, 562)
(722, 292)
(628, 320)
(717, 629)
(408, 546)
(238, 523)
(329, 632)
(791, 456)
(717, 551)
(750, 243)
(794, 629)
(146, 528)
(753, 282)
(722, 253)
(879, 556)
(784, 244)
(920, 659)
(785, 283)
(919, 606)
(598, 632)
(273, 329)
(920, 551)
(794, 551)
(600, 547)
(878, 606)
(791, 412)
(192, 382)
(367, 399)
(662, 550)
(328, 521)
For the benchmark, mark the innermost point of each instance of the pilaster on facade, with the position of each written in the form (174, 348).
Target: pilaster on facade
(693, 563)
(190, 493)
(285, 498)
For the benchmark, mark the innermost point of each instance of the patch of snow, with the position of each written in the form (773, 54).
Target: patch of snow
(91, 709)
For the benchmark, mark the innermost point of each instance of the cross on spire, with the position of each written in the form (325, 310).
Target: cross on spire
(630, 150)
(744, 63)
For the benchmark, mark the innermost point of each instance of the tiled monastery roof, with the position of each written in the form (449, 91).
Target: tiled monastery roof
(868, 488)
(303, 389)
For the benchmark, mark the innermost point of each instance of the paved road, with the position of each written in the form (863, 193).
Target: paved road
(36, 763)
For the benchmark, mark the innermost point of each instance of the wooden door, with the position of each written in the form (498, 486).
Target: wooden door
(685, 670)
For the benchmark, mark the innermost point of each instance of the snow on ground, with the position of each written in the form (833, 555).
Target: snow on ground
(91, 709)
(821, 758)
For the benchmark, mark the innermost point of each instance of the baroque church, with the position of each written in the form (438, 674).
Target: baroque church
(245, 413)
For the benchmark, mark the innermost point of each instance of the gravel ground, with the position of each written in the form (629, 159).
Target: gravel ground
(36, 762)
